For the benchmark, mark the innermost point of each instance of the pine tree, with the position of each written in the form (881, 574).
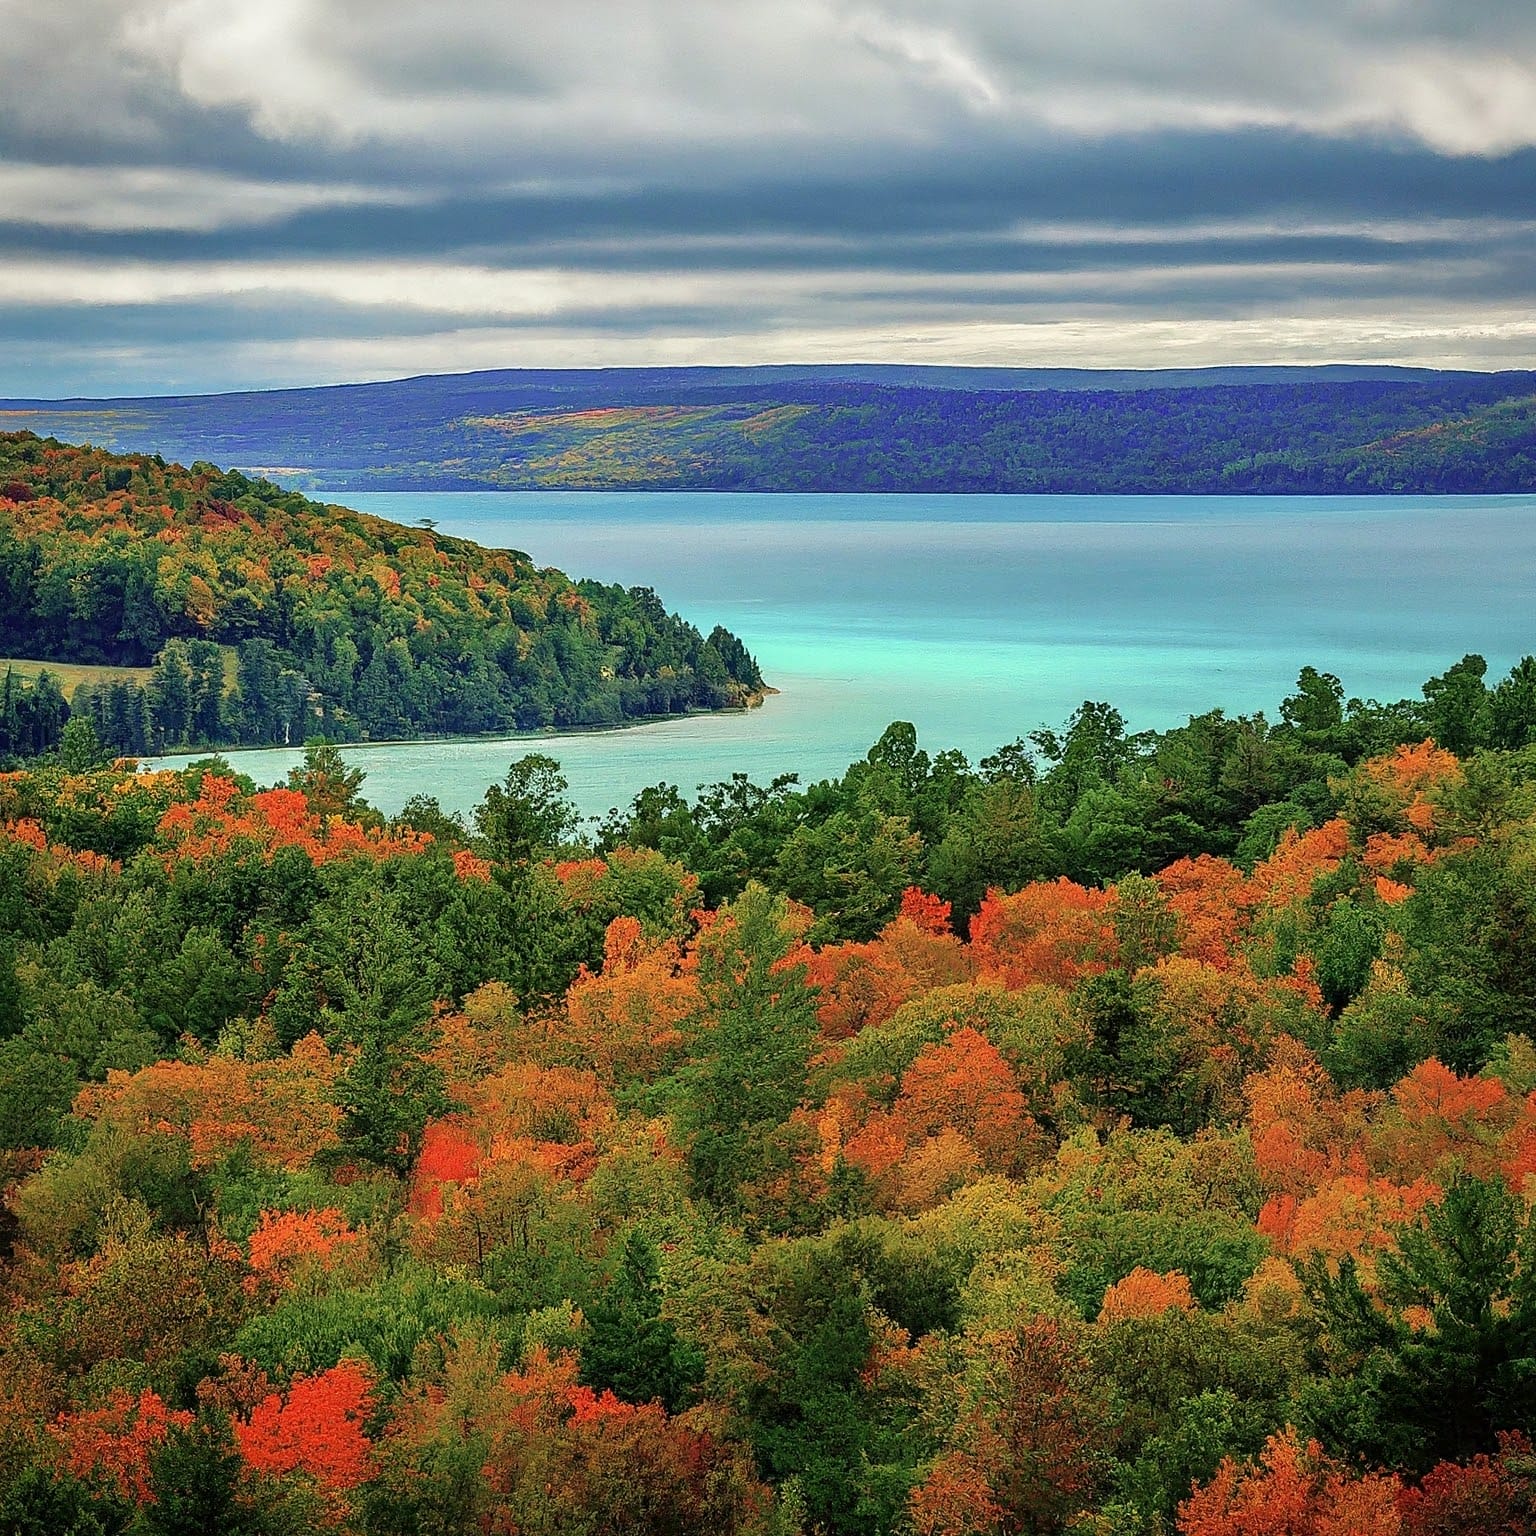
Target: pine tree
(632, 1350)
(195, 1479)
(751, 1072)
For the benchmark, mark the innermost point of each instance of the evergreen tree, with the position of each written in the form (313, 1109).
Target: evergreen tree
(195, 1478)
(13, 1016)
(1512, 708)
(259, 701)
(46, 713)
(10, 714)
(630, 1348)
(390, 1090)
(527, 814)
(1458, 706)
(750, 1072)
(1400, 1394)
(1472, 1265)
(205, 662)
(170, 696)
(326, 782)
(43, 1503)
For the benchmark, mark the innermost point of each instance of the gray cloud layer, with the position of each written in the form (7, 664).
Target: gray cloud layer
(211, 193)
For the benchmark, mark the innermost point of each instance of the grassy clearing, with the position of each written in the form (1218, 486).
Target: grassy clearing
(69, 675)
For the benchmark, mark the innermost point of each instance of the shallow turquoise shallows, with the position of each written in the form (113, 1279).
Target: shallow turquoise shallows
(979, 618)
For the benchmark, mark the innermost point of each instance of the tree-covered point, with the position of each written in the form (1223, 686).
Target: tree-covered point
(268, 617)
(1347, 438)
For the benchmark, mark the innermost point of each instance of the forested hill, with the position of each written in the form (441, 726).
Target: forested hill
(256, 615)
(1229, 430)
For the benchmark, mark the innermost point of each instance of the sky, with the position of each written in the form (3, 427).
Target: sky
(222, 194)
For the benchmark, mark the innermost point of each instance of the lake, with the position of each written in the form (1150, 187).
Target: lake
(979, 618)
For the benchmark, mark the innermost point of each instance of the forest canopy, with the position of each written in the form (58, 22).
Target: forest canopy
(269, 618)
(1122, 1136)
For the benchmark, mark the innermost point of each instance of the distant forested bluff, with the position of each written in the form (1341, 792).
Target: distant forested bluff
(849, 429)
(198, 607)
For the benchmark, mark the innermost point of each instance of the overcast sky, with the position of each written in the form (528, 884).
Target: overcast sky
(213, 194)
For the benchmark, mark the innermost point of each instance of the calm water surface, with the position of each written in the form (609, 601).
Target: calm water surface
(981, 617)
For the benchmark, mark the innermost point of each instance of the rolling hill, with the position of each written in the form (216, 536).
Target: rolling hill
(1342, 429)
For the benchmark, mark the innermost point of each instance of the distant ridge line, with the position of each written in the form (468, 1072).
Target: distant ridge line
(840, 428)
(911, 375)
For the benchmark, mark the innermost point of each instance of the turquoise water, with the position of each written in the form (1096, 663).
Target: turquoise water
(981, 617)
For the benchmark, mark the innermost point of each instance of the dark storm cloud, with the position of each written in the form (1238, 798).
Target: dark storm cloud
(224, 194)
(1150, 184)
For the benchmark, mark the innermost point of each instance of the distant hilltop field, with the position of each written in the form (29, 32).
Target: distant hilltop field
(850, 428)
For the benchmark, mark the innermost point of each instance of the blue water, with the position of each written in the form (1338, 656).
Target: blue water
(981, 617)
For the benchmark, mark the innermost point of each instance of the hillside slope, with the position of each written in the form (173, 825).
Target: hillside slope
(1491, 449)
(268, 616)
(838, 429)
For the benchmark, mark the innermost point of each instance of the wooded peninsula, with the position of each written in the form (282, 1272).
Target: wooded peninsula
(249, 615)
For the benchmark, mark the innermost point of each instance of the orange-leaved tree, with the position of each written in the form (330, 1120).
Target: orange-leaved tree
(285, 1241)
(1146, 1293)
(1053, 931)
(563, 1457)
(1486, 1496)
(316, 1427)
(1295, 1490)
(118, 1441)
(630, 1021)
(1027, 1449)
